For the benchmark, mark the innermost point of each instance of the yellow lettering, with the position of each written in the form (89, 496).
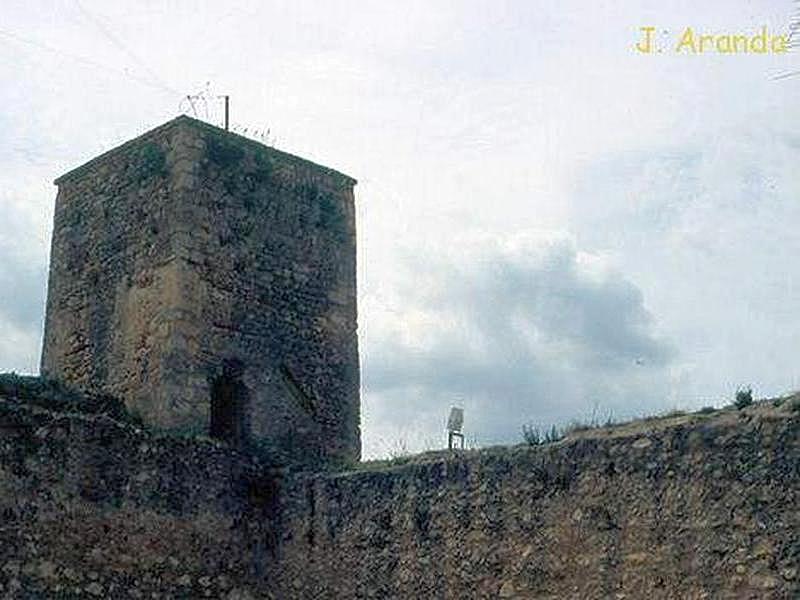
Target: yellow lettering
(740, 39)
(779, 45)
(760, 43)
(687, 40)
(646, 45)
(755, 46)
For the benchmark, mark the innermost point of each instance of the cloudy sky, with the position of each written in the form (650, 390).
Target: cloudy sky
(551, 224)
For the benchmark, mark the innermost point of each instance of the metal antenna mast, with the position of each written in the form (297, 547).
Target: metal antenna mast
(204, 97)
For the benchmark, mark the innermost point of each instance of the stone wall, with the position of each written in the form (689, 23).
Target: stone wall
(692, 507)
(190, 256)
(93, 507)
(703, 506)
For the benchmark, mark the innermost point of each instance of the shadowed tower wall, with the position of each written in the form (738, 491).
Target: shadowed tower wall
(210, 282)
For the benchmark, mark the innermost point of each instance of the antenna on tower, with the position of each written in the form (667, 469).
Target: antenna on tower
(205, 96)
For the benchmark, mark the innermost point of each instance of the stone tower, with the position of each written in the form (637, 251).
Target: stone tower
(210, 282)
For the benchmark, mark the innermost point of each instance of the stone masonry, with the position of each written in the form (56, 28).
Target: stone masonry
(700, 506)
(209, 281)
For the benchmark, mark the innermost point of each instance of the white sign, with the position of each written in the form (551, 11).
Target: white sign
(456, 419)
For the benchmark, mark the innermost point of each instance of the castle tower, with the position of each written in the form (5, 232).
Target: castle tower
(210, 282)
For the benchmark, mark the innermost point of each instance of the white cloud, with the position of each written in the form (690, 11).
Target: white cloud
(707, 227)
(523, 327)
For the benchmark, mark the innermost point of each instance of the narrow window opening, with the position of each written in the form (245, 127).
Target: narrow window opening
(228, 400)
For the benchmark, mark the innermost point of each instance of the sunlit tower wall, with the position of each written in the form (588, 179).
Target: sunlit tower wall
(209, 281)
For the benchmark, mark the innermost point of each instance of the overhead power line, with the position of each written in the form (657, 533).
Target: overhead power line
(87, 61)
(109, 35)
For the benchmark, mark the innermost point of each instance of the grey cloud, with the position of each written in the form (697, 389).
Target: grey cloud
(22, 284)
(529, 336)
(23, 280)
(23, 268)
(21, 314)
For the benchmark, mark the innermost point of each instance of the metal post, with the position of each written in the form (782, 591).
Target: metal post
(226, 112)
(451, 437)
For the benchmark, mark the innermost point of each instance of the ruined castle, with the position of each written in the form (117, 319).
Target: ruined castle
(210, 282)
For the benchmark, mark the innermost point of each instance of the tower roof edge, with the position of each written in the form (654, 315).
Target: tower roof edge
(185, 120)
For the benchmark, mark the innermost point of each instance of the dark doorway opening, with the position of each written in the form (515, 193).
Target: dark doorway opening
(228, 402)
